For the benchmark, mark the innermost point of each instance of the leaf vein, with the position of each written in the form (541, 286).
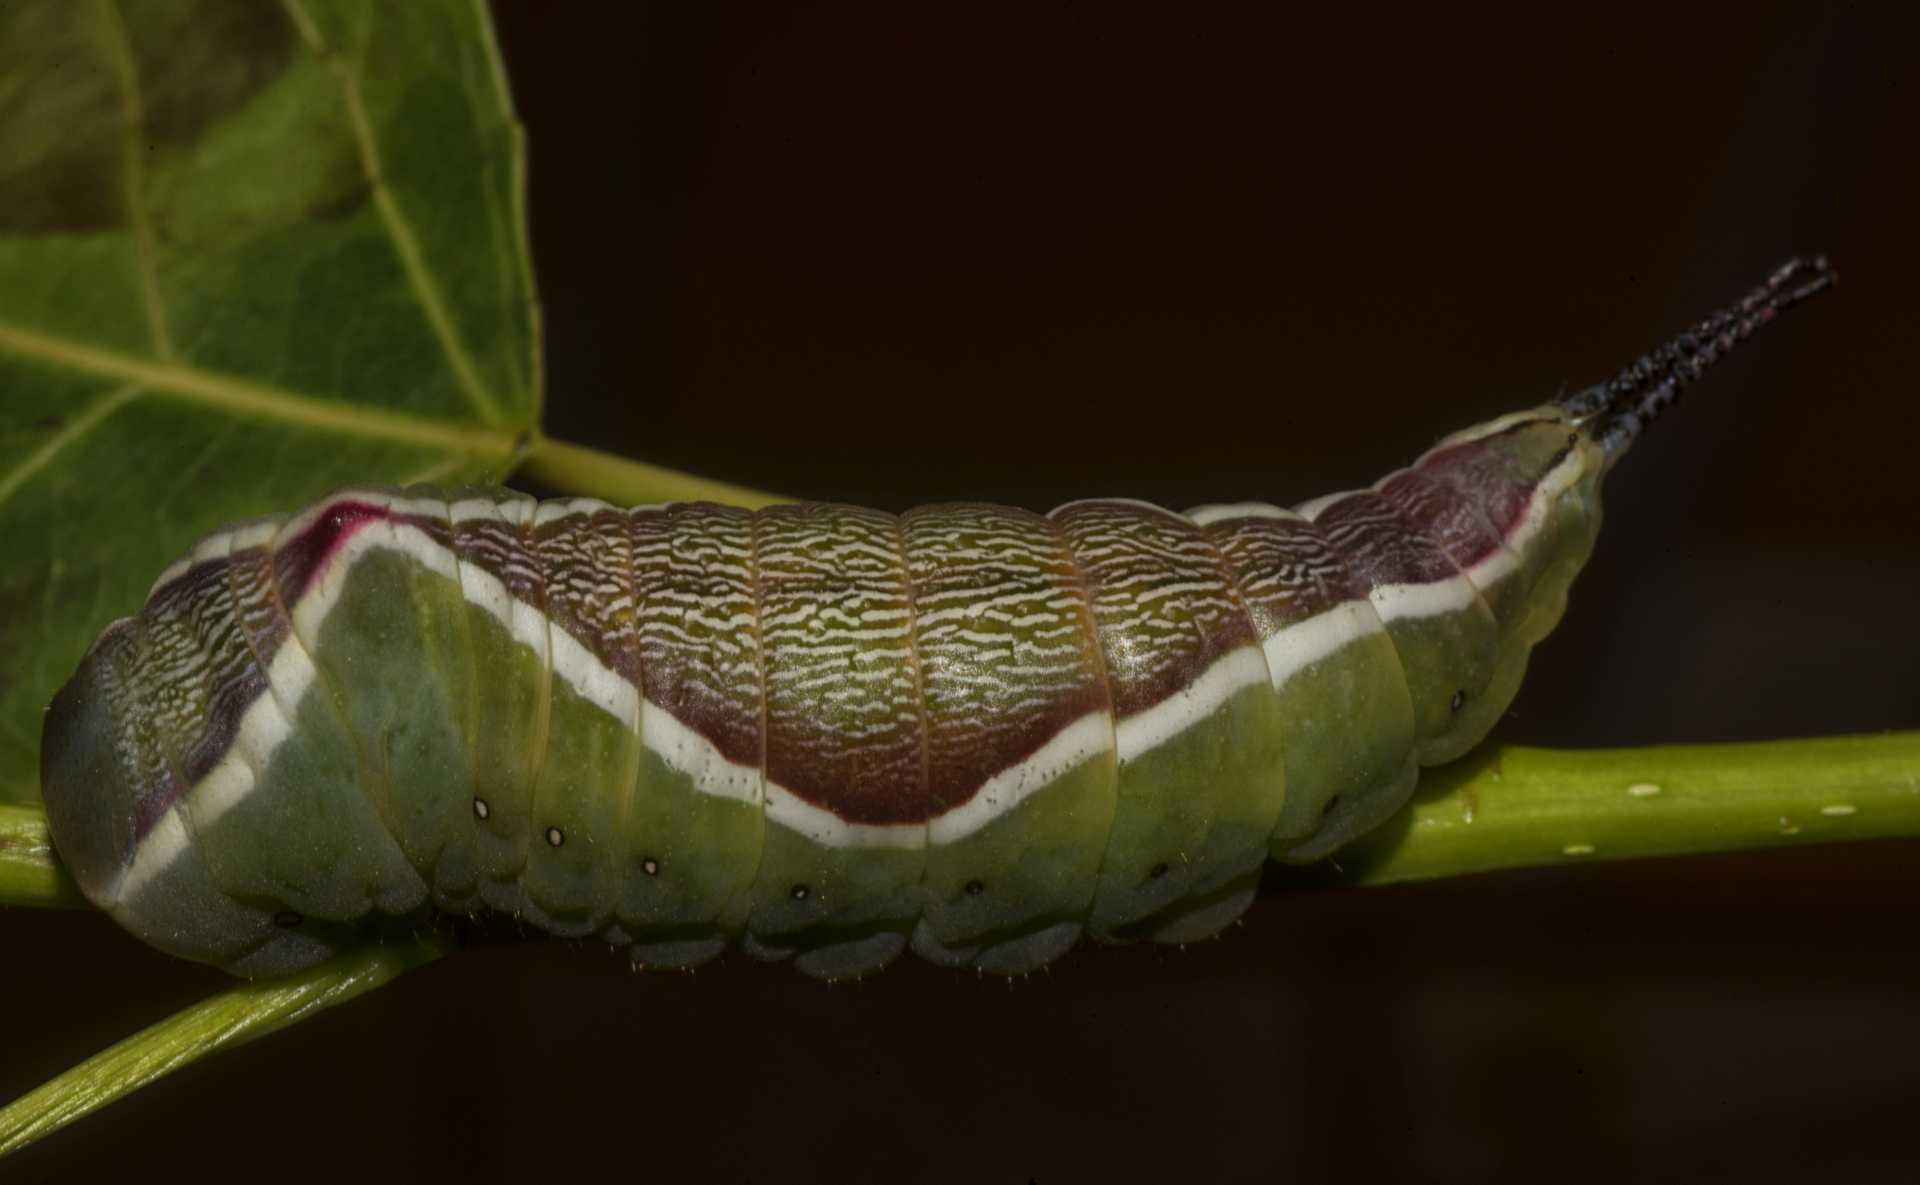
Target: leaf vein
(132, 149)
(400, 233)
(69, 435)
(534, 360)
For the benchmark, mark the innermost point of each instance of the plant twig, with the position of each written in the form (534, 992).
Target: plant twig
(1510, 807)
(30, 874)
(583, 470)
(229, 1019)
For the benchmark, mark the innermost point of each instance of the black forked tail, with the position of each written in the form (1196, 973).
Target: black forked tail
(1615, 412)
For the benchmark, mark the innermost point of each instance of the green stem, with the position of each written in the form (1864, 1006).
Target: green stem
(616, 479)
(29, 873)
(231, 1018)
(1517, 808)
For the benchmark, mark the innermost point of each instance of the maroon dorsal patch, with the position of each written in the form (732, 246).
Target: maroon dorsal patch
(845, 727)
(1444, 514)
(1005, 638)
(299, 560)
(1494, 473)
(1287, 569)
(1164, 605)
(1380, 544)
(698, 647)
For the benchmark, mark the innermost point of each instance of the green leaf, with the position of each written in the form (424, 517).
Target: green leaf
(249, 252)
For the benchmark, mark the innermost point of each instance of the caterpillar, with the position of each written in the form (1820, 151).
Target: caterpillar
(824, 732)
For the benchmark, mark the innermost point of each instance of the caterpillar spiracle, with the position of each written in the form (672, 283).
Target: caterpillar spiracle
(821, 731)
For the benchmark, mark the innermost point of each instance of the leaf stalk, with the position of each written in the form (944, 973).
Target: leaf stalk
(624, 482)
(227, 1020)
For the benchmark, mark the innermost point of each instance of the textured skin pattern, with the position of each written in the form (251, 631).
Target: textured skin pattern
(1163, 603)
(1002, 624)
(699, 655)
(826, 732)
(845, 724)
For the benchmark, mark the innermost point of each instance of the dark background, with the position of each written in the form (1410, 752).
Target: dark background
(894, 253)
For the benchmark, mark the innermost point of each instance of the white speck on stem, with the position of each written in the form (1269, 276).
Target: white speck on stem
(1578, 849)
(1643, 790)
(1839, 810)
(1787, 828)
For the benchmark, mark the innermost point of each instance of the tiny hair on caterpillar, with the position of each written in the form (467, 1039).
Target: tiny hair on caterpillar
(821, 732)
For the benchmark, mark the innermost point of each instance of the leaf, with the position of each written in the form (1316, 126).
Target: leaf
(249, 252)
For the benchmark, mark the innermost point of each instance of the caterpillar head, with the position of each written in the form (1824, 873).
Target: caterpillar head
(92, 795)
(116, 749)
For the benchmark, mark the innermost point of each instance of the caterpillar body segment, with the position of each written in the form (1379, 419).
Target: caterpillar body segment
(826, 732)
(822, 732)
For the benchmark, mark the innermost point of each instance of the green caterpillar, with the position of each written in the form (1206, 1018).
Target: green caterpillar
(825, 732)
